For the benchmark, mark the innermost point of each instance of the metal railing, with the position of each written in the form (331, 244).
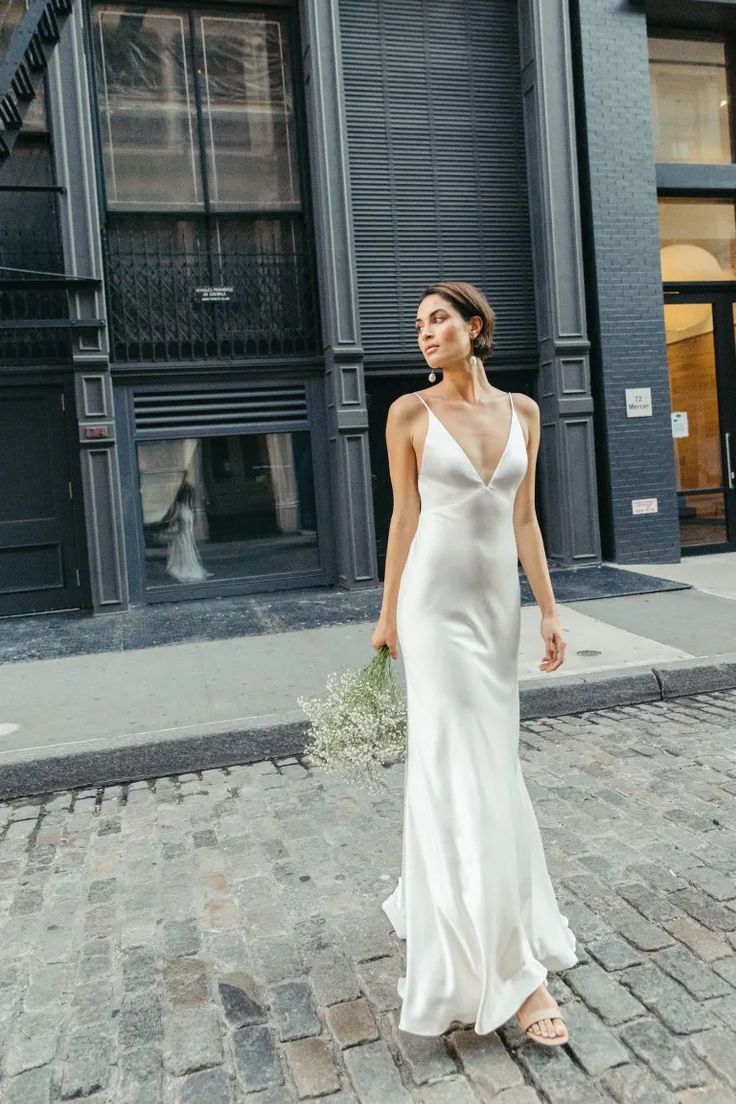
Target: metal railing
(170, 305)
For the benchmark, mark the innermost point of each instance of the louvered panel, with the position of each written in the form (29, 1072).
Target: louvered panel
(433, 102)
(219, 407)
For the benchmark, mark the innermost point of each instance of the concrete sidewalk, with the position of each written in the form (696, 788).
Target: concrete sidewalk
(119, 715)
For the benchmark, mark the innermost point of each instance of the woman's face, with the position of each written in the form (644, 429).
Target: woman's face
(442, 332)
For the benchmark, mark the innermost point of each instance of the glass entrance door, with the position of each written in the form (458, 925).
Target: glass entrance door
(701, 354)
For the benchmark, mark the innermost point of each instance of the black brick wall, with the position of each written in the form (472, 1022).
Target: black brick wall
(623, 279)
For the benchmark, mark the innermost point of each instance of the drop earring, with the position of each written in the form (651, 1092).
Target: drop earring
(432, 376)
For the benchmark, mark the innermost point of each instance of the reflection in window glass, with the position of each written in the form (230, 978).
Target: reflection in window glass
(227, 507)
(147, 107)
(249, 113)
(690, 103)
(698, 239)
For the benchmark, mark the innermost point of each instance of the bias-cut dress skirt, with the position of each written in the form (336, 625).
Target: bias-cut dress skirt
(474, 900)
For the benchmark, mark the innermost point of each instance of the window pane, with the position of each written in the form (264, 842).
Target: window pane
(227, 507)
(698, 239)
(248, 106)
(690, 107)
(147, 109)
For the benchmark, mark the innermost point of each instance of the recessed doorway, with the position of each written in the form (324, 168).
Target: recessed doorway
(701, 355)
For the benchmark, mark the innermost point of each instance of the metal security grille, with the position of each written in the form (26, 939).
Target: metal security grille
(157, 312)
(221, 408)
(437, 164)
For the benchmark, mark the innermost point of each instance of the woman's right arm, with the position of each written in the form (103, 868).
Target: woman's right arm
(400, 424)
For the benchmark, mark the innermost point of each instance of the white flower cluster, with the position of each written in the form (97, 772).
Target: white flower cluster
(360, 724)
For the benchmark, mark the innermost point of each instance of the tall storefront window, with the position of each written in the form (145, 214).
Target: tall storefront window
(196, 110)
(227, 507)
(198, 131)
(698, 239)
(690, 100)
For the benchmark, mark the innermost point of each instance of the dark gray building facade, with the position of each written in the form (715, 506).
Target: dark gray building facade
(217, 219)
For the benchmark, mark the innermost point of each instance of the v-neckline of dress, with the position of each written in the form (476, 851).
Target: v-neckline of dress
(471, 465)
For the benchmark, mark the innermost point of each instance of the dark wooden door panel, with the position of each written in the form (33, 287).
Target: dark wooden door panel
(38, 550)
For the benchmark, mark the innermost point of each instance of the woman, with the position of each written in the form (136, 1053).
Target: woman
(474, 900)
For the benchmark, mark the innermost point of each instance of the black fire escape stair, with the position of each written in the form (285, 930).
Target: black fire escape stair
(22, 72)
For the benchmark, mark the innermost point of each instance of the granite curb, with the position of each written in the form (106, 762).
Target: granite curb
(135, 760)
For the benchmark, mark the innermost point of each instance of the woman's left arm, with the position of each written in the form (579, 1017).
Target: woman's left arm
(529, 543)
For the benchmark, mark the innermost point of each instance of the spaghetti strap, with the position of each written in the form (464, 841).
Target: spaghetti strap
(420, 397)
(512, 404)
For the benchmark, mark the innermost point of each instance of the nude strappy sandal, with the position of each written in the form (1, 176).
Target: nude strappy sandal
(549, 1012)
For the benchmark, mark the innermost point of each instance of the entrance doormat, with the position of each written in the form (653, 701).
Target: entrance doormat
(53, 636)
(579, 584)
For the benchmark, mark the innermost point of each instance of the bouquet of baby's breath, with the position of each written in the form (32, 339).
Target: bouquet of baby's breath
(360, 723)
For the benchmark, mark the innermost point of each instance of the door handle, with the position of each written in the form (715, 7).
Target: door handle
(729, 463)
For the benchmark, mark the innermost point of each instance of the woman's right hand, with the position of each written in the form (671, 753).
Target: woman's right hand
(385, 633)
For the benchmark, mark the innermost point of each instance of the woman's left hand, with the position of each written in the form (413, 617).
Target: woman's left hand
(554, 643)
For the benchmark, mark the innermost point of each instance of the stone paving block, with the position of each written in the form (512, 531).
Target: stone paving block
(522, 1094)
(182, 937)
(140, 968)
(140, 1070)
(670, 1001)
(634, 1085)
(712, 882)
(185, 983)
(332, 977)
(703, 942)
(312, 1068)
(294, 1011)
(256, 1061)
(699, 980)
(374, 1074)
(276, 959)
(586, 925)
(87, 1065)
(486, 1062)
(643, 934)
(614, 954)
(595, 1047)
(450, 1090)
(192, 1041)
(140, 1019)
(425, 1056)
(603, 994)
(351, 1023)
(670, 1059)
(654, 906)
(726, 968)
(241, 999)
(379, 980)
(210, 1086)
(709, 912)
(31, 1087)
(48, 985)
(712, 1094)
(557, 1076)
(31, 1042)
(718, 1048)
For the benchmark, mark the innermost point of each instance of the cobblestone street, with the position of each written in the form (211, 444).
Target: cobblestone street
(219, 938)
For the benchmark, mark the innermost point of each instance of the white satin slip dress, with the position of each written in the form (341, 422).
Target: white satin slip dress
(474, 899)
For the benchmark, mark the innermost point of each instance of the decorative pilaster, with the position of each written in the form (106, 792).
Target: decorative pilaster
(344, 382)
(567, 462)
(72, 130)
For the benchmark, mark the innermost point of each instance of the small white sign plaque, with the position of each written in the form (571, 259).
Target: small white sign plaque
(638, 402)
(679, 423)
(644, 506)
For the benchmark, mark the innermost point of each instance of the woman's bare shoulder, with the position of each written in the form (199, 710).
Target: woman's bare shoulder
(525, 404)
(404, 407)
